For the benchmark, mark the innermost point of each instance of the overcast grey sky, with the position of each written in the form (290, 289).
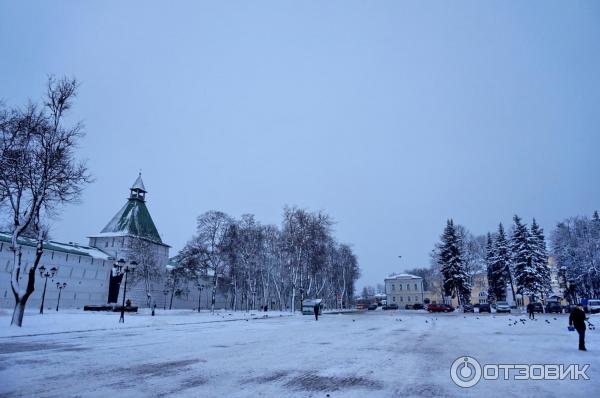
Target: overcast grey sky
(392, 116)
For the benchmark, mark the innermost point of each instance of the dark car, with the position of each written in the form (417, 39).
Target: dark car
(569, 308)
(418, 306)
(485, 308)
(468, 308)
(538, 307)
(440, 308)
(372, 307)
(553, 306)
(408, 307)
(392, 306)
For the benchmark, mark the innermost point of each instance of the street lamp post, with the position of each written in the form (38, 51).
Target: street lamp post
(200, 287)
(46, 274)
(60, 287)
(165, 292)
(121, 268)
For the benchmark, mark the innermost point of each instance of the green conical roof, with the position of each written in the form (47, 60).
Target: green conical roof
(133, 219)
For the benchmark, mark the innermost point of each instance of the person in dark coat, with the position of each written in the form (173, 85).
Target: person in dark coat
(530, 311)
(316, 311)
(577, 319)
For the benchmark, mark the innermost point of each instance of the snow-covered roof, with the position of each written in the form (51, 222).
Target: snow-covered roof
(139, 184)
(71, 248)
(132, 220)
(403, 276)
(311, 302)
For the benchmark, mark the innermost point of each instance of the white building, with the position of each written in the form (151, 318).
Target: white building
(404, 289)
(87, 269)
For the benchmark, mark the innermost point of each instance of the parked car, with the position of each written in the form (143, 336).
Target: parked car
(502, 306)
(553, 306)
(568, 308)
(392, 306)
(485, 308)
(468, 308)
(538, 307)
(440, 308)
(593, 306)
(372, 307)
(408, 307)
(418, 306)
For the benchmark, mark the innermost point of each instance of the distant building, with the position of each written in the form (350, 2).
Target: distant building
(87, 269)
(404, 289)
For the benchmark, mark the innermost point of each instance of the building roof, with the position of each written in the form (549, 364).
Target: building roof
(132, 220)
(138, 184)
(403, 276)
(70, 248)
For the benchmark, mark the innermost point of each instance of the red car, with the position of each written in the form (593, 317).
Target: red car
(440, 308)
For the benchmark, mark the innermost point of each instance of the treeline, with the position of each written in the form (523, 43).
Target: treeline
(576, 247)
(259, 265)
(519, 260)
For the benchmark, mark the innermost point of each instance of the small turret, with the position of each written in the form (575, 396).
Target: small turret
(138, 191)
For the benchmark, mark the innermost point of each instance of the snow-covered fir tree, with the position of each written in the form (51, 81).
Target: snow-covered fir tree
(489, 262)
(539, 259)
(455, 276)
(526, 274)
(502, 270)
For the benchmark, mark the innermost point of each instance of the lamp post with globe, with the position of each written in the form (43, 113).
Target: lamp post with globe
(46, 274)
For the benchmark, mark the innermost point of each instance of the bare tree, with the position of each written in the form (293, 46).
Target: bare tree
(38, 173)
(148, 269)
(210, 243)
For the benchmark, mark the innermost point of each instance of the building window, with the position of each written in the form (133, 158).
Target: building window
(79, 260)
(483, 297)
(112, 243)
(400, 287)
(416, 287)
(106, 244)
(401, 298)
(407, 286)
(52, 255)
(67, 257)
(393, 287)
(393, 298)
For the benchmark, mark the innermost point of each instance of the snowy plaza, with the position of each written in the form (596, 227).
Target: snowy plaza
(356, 354)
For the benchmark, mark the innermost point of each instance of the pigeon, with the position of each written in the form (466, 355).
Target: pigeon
(353, 320)
(426, 321)
(547, 321)
(554, 318)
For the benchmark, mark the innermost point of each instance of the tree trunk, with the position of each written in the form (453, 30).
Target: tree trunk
(21, 300)
(17, 318)
(214, 292)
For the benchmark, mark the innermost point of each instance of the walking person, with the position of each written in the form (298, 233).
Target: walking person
(316, 311)
(530, 311)
(577, 319)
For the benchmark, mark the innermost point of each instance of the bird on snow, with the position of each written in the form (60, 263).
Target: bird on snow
(547, 321)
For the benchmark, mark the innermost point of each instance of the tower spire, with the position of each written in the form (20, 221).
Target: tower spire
(138, 191)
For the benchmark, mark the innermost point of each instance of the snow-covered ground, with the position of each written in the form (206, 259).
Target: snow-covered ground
(374, 354)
